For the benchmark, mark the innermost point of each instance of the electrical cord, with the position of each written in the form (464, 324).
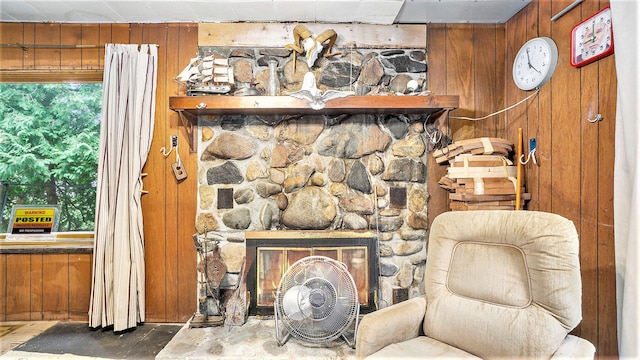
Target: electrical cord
(497, 112)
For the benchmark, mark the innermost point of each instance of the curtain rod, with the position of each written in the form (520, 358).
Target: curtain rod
(24, 47)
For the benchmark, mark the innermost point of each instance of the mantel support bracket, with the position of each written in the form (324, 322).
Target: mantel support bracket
(190, 125)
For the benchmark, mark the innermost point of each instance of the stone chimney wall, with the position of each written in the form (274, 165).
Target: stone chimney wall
(321, 172)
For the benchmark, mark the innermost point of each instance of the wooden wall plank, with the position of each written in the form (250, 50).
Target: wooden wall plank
(29, 37)
(18, 287)
(281, 34)
(80, 269)
(47, 58)
(187, 194)
(460, 79)
(70, 34)
(55, 287)
(516, 37)
(3, 287)
(37, 281)
(487, 86)
(588, 188)
(91, 56)
(606, 314)
(10, 57)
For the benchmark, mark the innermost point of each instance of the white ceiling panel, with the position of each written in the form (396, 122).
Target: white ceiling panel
(328, 11)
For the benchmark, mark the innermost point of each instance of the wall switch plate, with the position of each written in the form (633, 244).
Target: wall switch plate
(178, 171)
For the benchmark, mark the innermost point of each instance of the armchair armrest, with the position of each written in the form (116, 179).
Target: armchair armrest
(390, 325)
(574, 347)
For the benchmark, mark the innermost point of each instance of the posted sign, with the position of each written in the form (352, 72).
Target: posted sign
(30, 219)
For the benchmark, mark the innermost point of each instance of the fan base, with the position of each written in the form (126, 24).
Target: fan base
(201, 321)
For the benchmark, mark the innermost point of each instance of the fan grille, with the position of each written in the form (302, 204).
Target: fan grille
(317, 299)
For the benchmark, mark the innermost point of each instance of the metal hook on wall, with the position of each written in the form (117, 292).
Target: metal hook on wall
(596, 119)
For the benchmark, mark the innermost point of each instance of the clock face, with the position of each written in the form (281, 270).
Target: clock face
(592, 38)
(535, 62)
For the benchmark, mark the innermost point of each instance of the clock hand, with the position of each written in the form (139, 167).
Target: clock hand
(529, 59)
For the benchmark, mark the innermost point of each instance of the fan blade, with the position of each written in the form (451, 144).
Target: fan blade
(295, 303)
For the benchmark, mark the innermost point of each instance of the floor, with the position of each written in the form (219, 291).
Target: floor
(255, 339)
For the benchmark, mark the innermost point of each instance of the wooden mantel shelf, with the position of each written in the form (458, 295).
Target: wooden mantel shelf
(190, 107)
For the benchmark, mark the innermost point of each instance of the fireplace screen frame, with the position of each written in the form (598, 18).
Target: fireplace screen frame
(314, 242)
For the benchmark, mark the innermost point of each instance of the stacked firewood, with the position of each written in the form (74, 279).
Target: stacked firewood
(481, 175)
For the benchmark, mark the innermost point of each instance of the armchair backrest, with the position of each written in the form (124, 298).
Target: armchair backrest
(502, 283)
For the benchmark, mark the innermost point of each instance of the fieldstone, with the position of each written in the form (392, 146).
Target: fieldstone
(403, 64)
(304, 130)
(310, 208)
(317, 162)
(282, 155)
(417, 199)
(275, 52)
(242, 52)
(207, 194)
(242, 70)
(337, 170)
(382, 202)
(388, 269)
(229, 145)
(353, 221)
(353, 57)
(396, 126)
(206, 222)
(207, 133)
(317, 179)
(297, 177)
(399, 83)
(371, 73)
(339, 74)
(385, 236)
(417, 127)
(232, 122)
(282, 200)
(387, 224)
(405, 248)
(256, 170)
(381, 189)
(418, 55)
(243, 196)
(357, 137)
(277, 175)
(235, 239)
(259, 131)
(292, 78)
(268, 215)
(417, 220)
(405, 275)
(338, 189)
(356, 203)
(238, 218)
(385, 250)
(227, 173)
(232, 255)
(420, 257)
(412, 234)
(392, 52)
(412, 146)
(390, 212)
(374, 164)
(266, 188)
(405, 170)
(358, 178)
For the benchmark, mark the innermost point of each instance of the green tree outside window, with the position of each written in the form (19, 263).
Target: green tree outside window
(49, 144)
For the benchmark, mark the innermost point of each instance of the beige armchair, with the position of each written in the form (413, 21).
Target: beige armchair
(498, 284)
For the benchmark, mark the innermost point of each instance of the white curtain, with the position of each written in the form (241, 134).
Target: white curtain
(128, 109)
(626, 197)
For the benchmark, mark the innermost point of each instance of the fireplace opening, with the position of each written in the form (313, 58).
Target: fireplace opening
(270, 253)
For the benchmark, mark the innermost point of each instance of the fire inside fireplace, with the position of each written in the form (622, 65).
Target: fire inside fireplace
(270, 253)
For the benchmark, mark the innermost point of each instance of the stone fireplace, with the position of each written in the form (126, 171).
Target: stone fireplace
(324, 174)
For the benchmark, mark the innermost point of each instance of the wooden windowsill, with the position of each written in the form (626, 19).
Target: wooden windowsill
(59, 243)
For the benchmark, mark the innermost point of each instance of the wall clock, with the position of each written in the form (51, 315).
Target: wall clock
(592, 39)
(535, 62)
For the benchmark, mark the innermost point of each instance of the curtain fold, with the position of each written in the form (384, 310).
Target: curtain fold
(128, 110)
(626, 198)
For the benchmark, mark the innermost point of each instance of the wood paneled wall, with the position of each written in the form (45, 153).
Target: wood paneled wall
(574, 175)
(40, 287)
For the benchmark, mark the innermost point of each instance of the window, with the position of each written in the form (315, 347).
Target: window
(49, 144)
